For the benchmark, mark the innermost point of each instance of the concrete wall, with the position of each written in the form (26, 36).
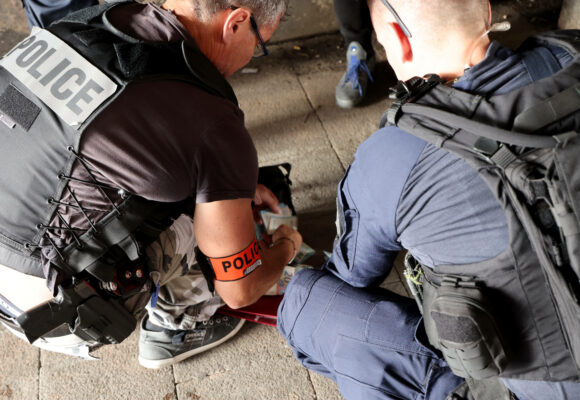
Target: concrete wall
(306, 18)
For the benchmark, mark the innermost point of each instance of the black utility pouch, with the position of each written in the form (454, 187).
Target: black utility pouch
(460, 323)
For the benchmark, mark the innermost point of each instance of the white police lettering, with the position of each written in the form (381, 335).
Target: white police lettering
(65, 81)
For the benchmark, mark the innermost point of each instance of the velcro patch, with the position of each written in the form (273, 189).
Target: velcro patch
(238, 265)
(17, 108)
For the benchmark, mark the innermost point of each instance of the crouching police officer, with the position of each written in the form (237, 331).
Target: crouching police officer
(128, 178)
(487, 313)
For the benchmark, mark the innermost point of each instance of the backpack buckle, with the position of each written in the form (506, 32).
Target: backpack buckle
(407, 91)
(485, 146)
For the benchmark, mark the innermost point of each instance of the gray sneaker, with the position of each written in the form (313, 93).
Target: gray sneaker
(353, 84)
(158, 349)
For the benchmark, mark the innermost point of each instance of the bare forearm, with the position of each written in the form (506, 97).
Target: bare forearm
(248, 290)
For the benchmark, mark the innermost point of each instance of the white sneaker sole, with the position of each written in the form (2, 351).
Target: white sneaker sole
(156, 364)
(347, 103)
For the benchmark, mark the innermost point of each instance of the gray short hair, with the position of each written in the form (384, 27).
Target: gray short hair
(266, 12)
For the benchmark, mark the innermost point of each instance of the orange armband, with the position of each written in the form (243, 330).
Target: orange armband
(238, 265)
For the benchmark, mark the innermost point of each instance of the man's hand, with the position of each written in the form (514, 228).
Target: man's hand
(224, 228)
(264, 199)
(285, 232)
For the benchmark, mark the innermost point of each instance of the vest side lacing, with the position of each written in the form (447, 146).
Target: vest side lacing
(76, 232)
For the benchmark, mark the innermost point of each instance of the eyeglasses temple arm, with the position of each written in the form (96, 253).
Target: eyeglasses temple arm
(404, 28)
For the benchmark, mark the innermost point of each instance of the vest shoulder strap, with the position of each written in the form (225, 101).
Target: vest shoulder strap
(127, 59)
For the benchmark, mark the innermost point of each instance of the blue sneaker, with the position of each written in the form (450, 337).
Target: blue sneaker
(353, 85)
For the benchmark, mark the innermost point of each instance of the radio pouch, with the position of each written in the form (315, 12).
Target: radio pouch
(460, 323)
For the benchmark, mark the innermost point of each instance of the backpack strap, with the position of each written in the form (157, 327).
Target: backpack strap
(548, 111)
(436, 124)
(465, 130)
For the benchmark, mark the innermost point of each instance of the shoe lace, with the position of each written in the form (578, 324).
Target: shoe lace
(76, 204)
(354, 67)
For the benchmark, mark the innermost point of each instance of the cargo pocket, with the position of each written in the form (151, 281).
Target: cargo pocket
(347, 225)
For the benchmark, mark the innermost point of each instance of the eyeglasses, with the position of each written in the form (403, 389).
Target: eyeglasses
(262, 50)
(404, 28)
(254, 25)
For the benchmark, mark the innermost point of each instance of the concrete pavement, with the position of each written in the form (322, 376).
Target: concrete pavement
(288, 99)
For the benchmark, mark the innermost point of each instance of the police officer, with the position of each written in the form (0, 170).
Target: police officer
(128, 179)
(402, 193)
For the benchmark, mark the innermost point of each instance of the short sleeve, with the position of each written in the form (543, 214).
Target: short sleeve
(227, 163)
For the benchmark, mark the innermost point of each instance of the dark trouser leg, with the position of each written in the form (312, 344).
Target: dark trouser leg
(42, 13)
(354, 22)
(365, 340)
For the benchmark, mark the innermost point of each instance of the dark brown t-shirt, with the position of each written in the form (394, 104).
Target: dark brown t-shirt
(163, 140)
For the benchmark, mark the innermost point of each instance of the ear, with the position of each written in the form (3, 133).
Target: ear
(402, 42)
(236, 21)
(488, 14)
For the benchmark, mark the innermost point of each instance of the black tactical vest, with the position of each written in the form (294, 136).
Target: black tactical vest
(516, 315)
(52, 85)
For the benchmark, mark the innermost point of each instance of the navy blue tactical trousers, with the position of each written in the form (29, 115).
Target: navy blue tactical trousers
(369, 341)
(42, 13)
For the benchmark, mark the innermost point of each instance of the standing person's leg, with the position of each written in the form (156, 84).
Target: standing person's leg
(355, 25)
(354, 22)
(180, 321)
(42, 13)
(371, 342)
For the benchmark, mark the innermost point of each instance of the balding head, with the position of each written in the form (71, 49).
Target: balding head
(438, 28)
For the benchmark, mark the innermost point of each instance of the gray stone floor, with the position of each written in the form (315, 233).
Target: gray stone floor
(288, 99)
